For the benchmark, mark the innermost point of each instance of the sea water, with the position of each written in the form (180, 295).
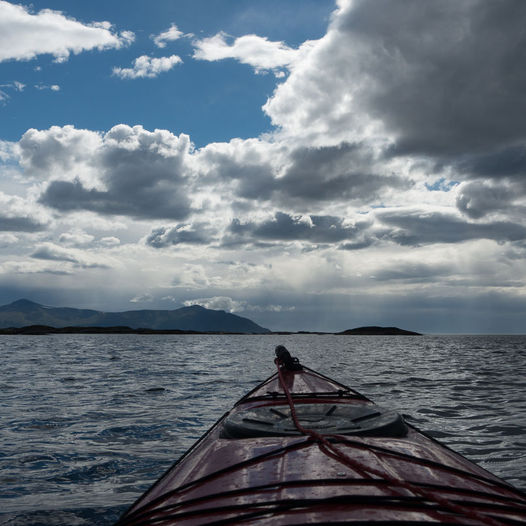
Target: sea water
(88, 422)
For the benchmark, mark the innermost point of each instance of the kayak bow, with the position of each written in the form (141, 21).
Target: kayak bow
(302, 448)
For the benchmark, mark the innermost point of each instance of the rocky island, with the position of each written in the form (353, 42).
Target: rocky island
(23, 315)
(379, 331)
(27, 317)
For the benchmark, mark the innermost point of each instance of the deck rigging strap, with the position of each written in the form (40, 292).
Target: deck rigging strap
(329, 449)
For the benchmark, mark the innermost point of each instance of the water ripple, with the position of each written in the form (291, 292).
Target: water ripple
(90, 421)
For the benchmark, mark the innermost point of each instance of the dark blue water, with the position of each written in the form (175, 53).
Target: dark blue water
(88, 422)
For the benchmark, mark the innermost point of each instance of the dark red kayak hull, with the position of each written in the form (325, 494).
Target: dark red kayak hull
(290, 479)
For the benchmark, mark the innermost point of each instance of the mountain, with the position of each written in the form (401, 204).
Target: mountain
(380, 331)
(195, 318)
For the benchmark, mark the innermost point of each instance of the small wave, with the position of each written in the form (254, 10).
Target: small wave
(42, 425)
(155, 390)
(87, 474)
(32, 459)
(435, 433)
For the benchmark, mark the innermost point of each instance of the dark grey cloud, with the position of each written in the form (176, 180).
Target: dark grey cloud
(254, 176)
(409, 228)
(21, 224)
(51, 252)
(342, 172)
(445, 77)
(422, 227)
(140, 202)
(508, 162)
(365, 242)
(478, 198)
(191, 234)
(284, 227)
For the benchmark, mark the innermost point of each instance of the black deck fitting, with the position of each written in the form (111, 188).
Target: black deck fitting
(287, 361)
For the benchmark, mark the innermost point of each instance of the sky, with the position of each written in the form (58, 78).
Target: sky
(309, 164)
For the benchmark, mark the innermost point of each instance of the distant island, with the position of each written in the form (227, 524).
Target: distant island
(27, 317)
(24, 313)
(46, 329)
(379, 331)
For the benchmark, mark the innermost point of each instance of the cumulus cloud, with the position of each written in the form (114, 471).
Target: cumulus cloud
(110, 241)
(218, 303)
(431, 78)
(187, 233)
(420, 227)
(171, 34)
(147, 67)
(343, 172)
(477, 199)
(20, 215)
(228, 304)
(64, 151)
(258, 52)
(301, 175)
(75, 239)
(50, 251)
(127, 171)
(146, 297)
(286, 227)
(24, 35)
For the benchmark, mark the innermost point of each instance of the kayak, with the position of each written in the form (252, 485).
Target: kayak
(302, 448)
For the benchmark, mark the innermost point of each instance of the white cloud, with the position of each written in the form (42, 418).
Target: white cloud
(15, 85)
(52, 87)
(76, 238)
(258, 52)
(59, 152)
(8, 150)
(172, 33)
(218, 303)
(141, 298)
(24, 35)
(147, 67)
(8, 239)
(22, 215)
(13, 267)
(228, 304)
(110, 241)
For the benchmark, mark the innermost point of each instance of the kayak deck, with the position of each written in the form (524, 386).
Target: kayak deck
(254, 466)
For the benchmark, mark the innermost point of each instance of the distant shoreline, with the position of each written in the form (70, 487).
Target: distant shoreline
(36, 330)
